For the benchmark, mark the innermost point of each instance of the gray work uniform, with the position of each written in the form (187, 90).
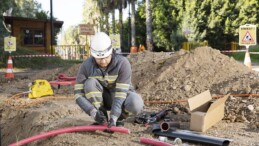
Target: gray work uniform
(110, 88)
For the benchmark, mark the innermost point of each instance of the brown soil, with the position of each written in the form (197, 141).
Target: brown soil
(156, 76)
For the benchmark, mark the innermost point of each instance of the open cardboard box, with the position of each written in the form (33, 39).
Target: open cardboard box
(205, 111)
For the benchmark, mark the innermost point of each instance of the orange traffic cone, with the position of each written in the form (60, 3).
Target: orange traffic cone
(9, 72)
(247, 60)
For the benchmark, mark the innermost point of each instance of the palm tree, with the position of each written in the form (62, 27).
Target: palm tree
(106, 7)
(92, 13)
(113, 21)
(133, 26)
(149, 39)
(118, 4)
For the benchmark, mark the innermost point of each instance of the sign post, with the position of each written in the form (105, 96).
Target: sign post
(10, 44)
(86, 29)
(247, 37)
(116, 44)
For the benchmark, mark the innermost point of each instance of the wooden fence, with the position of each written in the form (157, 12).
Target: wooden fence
(72, 52)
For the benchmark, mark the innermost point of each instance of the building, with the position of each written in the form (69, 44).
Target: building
(34, 34)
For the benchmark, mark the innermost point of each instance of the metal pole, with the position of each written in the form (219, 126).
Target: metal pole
(129, 35)
(51, 28)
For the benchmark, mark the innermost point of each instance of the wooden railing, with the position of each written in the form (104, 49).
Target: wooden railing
(192, 45)
(72, 52)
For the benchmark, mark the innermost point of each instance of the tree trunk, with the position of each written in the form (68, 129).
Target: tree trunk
(107, 25)
(149, 39)
(101, 23)
(133, 27)
(121, 26)
(113, 21)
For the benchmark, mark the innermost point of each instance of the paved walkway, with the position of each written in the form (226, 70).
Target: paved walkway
(255, 68)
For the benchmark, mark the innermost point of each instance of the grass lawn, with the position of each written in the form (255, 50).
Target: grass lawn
(241, 55)
(33, 62)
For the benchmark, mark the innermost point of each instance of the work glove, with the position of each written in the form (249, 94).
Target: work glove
(112, 121)
(99, 117)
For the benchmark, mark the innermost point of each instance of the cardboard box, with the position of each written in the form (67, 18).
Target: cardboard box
(205, 112)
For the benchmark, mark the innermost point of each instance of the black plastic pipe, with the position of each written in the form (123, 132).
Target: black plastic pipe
(165, 126)
(191, 136)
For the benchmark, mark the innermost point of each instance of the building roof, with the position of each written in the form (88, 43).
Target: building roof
(10, 19)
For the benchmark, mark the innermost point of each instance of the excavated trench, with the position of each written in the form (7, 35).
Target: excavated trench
(160, 76)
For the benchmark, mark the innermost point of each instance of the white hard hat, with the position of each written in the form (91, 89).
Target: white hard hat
(101, 45)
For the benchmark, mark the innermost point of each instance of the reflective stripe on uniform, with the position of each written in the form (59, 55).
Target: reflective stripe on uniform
(92, 94)
(122, 86)
(120, 95)
(79, 86)
(109, 78)
(95, 77)
(96, 103)
(95, 97)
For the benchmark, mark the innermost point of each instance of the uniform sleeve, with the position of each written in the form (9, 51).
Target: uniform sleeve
(123, 83)
(80, 79)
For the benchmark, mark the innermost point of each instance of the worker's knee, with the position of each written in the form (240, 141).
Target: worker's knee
(92, 85)
(90, 82)
(134, 103)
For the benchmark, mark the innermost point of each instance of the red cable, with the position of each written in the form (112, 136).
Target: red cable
(68, 130)
(185, 100)
(153, 142)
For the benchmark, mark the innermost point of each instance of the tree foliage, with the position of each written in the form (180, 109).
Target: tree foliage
(19, 8)
(167, 16)
(172, 21)
(72, 37)
(214, 21)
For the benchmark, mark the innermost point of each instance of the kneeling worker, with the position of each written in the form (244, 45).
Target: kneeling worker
(103, 84)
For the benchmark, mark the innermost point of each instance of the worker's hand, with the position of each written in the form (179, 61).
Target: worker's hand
(100, 118)
(112, 121)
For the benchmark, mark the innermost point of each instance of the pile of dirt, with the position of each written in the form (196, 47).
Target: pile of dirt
(185, 74)
(182, 75)
(159, 76)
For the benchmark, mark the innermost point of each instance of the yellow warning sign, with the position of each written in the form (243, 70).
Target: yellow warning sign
(115, 40)
(247, 35)
(10, 44)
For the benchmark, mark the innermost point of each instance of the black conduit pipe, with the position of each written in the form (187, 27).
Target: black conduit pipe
(191, 136)
(165, 126)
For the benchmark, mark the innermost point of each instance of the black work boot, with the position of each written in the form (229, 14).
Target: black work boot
(119, 124)
(104, 111)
